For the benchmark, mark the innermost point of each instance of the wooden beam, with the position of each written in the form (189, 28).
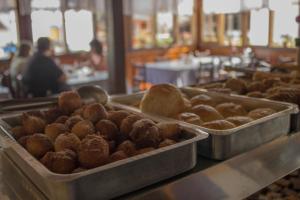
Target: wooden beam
(198, 24)
(24, 23)
(245, 28)
(271, 28)
(116, 46)
(220, 28)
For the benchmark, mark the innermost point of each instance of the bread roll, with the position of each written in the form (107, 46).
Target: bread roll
(219, 125)
(237, 85)
(163, 99)
(260, 113)
(231, 109)
(202, 99)
(207, 113)
(239, 120)
(190, 118)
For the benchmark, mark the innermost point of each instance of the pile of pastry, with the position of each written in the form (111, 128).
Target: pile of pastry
(203, 110)
(262, 85)
(74, 137)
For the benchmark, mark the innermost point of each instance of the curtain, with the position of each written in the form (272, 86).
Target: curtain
(221, 6)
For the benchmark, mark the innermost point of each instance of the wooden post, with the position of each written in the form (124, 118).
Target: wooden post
(24, 24)
(116, 46)
(271, 27)
(245, 28)
(220, 28)
(198, 24)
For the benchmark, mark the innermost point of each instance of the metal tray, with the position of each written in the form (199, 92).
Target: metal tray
(224, 144)
(107, 181)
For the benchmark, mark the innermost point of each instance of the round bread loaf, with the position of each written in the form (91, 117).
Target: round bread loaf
(219, 125)
(207, 113)
(231, 109)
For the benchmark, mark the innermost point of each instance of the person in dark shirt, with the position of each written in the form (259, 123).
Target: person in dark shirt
(42, 76)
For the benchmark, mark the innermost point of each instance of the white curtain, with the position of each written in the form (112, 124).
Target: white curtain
(221, 6)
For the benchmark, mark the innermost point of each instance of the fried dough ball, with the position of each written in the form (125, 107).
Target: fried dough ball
(63, 162)
(127, 147)
(202, 99)
(52, 114)
(67, 141)
(108, 130)
(112, 145)
(219, 125)
(83, 128)
(237, 85)
(239, 120)
(70, 122)
(231, 109)
(127, 123)
(18, 132)
(32, 124)
(256, 86)
(256, 94)
(94, 151)
(54, 129)
(69, 101)
(23, 140)
(38, 145)
(144, 150)
(190, 118)
(166, 142)
(117, 116)
(145, 134)
(260, 113)
(79, 111)
(207, 113)
(94, 112)
(169, 130)
(62, 119)
(268, 83)
(119, 155)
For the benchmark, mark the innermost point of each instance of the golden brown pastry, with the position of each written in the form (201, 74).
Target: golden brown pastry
(166, 142)
(32, 124)
(207, 113)
(38, 145)
(127, 123)
(107, 129)
(271, 82)
(52, 114)
(117, 116)
(163, 99)
(94, 112)
(190, 118)
(237, 85)
(256, 86)
(67, 141)
(231, 109)
(260, 113)
(62, 119)
(239, 120)
(127, 147)
(94, 151)
(202, 99)
(169, 130)
(144, 150)
(23, 140)
(54, 129)
(69, 101)
(256, 94)
(62, 162)
(83, 128)
(145, 134)
(70, 122)
(18, 132)
(119, 155)
(219, 125)
(79, 111)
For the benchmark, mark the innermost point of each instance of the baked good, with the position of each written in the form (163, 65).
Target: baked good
(236, 85)
(52, 114)
(256, 86)
(54, 129)
(190, 118)
(206, 113)
(18, 132)
(271, 82)
(169, 130)
(118, 155)
(61, 119)
(117, 116)
(38, 145)
(221, 90)
(260, 113)
(83, 128)
(70, 122)
(239, 120)
(23, 140)
(107, 129)
(127, 147)
(145, 134)
(94, 112)
(202, 99)
(231, 109)
(213, 85)
(69, 101)
(32, 124)
(67, 141)
(62, 162)
(219, 125)
(163, 99)
(127, 124)
(166, 142)
(145, 150)
(256, 94)
(93, 152)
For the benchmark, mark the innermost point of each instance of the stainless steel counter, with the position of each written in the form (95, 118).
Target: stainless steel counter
(236, 178)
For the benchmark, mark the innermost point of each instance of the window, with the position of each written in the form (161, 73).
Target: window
(285, 26)
(259, 27)
(164, 27)
(233, 29)
(142, 31)
(8, 33)
(46, 19)
(210, 28)
(185, 19)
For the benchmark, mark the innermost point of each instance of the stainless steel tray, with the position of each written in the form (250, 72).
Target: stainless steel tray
(107, 181)
(223, 144)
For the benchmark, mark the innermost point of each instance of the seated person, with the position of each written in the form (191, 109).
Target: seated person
(96, 57)
(42, 76)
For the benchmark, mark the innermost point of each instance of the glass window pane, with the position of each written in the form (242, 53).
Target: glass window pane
(79, 29)
(8, 33)
(210, 28)
(142, 31)
(259, 27)
(285, 26)
(164, 26)
(233, 35)
(185, 19)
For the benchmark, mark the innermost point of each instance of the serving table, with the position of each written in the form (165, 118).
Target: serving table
(236, 178)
